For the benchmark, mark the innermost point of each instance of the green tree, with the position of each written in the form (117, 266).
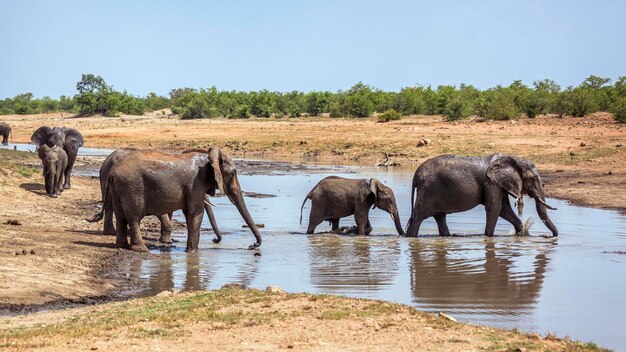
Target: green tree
(95, 96)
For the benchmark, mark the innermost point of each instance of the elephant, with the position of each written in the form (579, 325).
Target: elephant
(449, 184)
(164, 219)
(67, 138)
(5, 131)
(153, 183)
(337, 197)
(54, 160)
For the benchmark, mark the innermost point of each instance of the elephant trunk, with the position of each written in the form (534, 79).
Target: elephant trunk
(51, 181)
(396, 220)
(543, 215)
(237, 199)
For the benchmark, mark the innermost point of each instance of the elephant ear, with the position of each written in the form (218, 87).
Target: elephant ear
(215, 161)
(374, 187)
(40, 136)
(503, 173)
(73, 139)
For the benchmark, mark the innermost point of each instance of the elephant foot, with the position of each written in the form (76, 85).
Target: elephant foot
(67, 186)
(191, 250)
(109, 232)
(121, 245)
(166, 239)
(139, 248)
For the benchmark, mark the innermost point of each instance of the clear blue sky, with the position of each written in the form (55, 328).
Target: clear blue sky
(144, 46)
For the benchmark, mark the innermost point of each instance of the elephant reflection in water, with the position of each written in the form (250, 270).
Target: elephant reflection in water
(442, 281)
(184, 273)
(354, 263)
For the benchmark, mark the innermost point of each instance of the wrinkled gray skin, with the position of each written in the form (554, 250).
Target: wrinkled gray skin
(449, 184)
(67, 138)
(165, 219)
(5, 132)
(54, 161)
(337, 197)
(151, 183)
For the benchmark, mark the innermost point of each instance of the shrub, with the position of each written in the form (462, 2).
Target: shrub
(389, 115)
(619, 110)
(197, 109)
(456, 109)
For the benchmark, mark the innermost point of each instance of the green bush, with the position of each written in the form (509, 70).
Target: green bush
(456, 109)
(389, 115)
(197, 109)
(619, 110)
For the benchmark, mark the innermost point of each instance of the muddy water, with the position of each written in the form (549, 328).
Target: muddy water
(573, 285)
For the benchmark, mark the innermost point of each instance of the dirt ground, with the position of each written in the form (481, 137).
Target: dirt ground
(232, 319)
(55, 259)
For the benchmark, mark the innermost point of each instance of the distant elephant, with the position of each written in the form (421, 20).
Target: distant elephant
(54, 162)
(449, 184)
(337, 197)
(165, 219)
(152, 183)
(5, 131)
(67, 138)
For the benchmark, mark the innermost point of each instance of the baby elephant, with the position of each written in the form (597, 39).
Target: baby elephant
(337, 197)
(54, 160)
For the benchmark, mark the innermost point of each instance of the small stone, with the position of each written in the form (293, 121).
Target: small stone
(583, 144)
(572, 154)
(13, 222)
(94, 348)
(257, 254)
(235, 286)
(447, 317)
(165, 293)
(423, 142)
(24, 252)
(17, 253)
(619, 145)
(491, 145)
(610, 173)
(274, 289)
(32, 251)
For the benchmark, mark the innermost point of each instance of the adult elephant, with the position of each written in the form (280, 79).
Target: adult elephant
(152, 183)
(67, 138)
(449, 184)
(165, 219)
(5, 131)
(337, 197)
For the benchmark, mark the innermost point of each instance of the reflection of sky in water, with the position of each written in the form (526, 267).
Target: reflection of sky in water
(570, 286)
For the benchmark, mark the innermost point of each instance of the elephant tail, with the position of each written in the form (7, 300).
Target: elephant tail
(105, 192)
(308, 196)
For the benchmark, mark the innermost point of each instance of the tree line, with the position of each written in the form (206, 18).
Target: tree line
(95, 96)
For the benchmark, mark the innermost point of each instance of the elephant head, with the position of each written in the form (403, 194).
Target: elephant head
(385, 200)
(52, 159)
(518, 177)
(225, 179)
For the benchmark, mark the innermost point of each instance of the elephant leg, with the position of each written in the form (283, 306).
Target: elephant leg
(508, 214)
(121, 239)
(136, 242)
(71, 158)
(335, 224)
(315, 218)
(362, 220)
(493, 205)
(194, 220)
(442, 224)
(166, 228)
(368, 227)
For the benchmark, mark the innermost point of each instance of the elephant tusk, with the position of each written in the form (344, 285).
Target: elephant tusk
(544, 203)
(208, 203)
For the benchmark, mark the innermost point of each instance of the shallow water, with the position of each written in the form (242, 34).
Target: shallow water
(23, 147)
(572, 286)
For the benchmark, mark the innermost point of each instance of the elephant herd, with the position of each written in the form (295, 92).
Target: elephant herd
(135, 183)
